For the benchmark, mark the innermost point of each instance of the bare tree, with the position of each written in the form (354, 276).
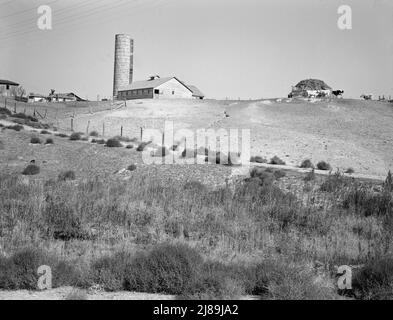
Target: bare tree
(18, 92)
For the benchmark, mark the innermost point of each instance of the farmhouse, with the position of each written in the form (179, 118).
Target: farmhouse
(64, 97)
(156, 88)
(6, 87)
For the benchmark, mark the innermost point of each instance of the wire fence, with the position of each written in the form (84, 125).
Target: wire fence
(75, 116)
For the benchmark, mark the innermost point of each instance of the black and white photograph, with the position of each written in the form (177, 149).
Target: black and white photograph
(201, 155)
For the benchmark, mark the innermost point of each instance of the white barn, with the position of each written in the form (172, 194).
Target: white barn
(156, 88)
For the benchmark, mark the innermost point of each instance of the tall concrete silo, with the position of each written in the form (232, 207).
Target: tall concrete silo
(124, 62)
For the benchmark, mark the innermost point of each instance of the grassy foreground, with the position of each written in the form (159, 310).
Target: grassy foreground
(188, 240)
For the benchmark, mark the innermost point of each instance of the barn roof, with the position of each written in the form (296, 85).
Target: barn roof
(36, 95)
(8, 82)
(195, 91)
(150, 84)
(63, 96)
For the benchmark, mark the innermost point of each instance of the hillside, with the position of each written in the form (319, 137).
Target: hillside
(346, 133)
(275, 234)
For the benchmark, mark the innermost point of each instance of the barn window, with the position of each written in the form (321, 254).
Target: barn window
(173, 92)
(156, 91)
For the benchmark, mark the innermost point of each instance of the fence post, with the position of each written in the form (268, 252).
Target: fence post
(88, 125)
(72, 124)
(34, 113)
(141, 133)
(163, 138)
(103, 129)
(5, 103)
(121, 131)
(46, 111)
(15, 107)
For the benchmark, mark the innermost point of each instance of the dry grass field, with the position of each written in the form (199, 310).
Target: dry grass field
(189, 230)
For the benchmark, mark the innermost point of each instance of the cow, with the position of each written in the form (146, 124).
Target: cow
(337, 93)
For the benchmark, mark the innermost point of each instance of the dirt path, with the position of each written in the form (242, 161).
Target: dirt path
(65, 293)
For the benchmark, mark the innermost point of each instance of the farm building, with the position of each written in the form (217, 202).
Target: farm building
(196, 93)
(156, 88)
(64, 97)
(36, 97)
(6, 87)
(311, 88)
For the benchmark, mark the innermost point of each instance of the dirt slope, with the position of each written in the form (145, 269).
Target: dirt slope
(346, 133)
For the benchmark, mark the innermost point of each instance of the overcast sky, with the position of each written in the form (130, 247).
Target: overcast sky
(228, 48)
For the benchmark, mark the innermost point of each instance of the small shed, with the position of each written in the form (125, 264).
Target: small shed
(6, 87)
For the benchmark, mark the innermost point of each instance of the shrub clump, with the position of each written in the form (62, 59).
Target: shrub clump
(276, 160)
(19, 271)
(61, 135)
(5, 111)
(35, 140)
(113, 143)
(15, 127)
(322, 165)
(45, 132)
(31, 170)
(49, 141)
(350, 171)
(167, 268)
(131, 167)
(100, 141)
(66, 175)
(24, 117)
(258, 159)
(142, 146)
(94, 134)
(368, 203)
(307, 164)
(265, 178)
(335, 182)
(76, 136)
(278, 174)
(375, 280)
